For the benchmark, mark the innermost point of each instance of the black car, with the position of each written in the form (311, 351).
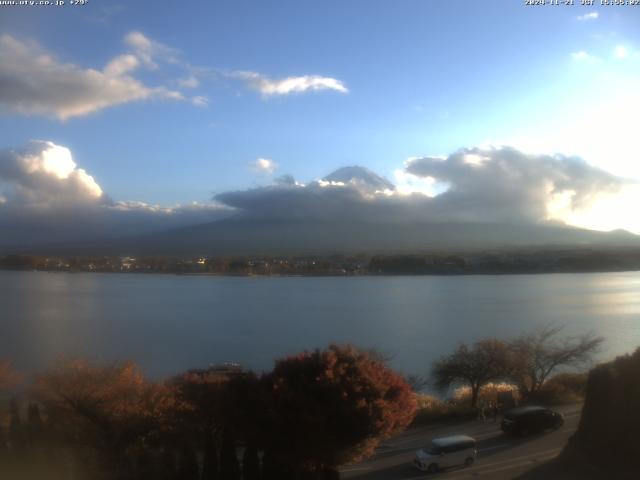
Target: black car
(525, 420)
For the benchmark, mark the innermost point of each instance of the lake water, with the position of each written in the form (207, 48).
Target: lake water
(169, 323)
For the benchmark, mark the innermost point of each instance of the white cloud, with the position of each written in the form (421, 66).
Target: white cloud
(149, 51)
(33, 82)
(264, 165)
(44, 176)
(406, 183)
(475, 159)
(139, 41)
(477, 185)
(588, 16)
(200, 101)
(189, 82)
(193, 210)
(330, 183)
(121, 65)
(582, 56)
(45, 196)
(511, 185)
(289, 85)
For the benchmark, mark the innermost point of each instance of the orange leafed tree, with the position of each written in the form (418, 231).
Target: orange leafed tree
(8, 377)
(111, 406)
(205, 393)
(330, 407)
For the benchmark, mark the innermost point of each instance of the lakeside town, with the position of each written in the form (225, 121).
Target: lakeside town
(435, 263)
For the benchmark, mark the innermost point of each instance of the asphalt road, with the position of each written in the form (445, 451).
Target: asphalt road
(499, 457)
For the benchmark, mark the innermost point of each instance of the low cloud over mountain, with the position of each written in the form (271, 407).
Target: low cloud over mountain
(505, 184)
(46, 197)
(490, 185)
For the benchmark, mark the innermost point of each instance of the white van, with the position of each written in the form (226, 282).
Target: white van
(446, 452)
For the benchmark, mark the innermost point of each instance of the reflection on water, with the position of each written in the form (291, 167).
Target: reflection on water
(170, 323)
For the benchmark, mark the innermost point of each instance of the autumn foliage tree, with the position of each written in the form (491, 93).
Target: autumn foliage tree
(220, 404)
(110, 408)
(330, 407)
(313, 412)
(17, 433)
(229, 465)
(204, 392)
(8, 377)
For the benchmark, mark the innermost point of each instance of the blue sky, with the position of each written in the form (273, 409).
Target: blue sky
(416, 78)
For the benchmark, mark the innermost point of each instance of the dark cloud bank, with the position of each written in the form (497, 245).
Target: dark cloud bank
(495, 185)
(491, 197)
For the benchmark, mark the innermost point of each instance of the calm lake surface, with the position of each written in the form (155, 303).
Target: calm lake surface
(170, 323)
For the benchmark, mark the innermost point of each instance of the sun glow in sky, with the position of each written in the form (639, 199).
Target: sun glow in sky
(166, 106)
(602, 128)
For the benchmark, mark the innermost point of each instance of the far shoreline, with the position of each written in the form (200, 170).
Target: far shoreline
(441, 263)
(328, 275)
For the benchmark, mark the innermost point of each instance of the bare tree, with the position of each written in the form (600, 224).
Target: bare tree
(485, 361)
(538, 354)
(417, 382)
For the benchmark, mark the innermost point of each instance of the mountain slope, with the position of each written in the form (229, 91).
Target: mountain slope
(240, 236)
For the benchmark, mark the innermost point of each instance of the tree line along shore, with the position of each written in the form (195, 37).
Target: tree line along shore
(548, 260)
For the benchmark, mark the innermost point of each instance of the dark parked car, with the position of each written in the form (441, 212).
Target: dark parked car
(525, 420)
